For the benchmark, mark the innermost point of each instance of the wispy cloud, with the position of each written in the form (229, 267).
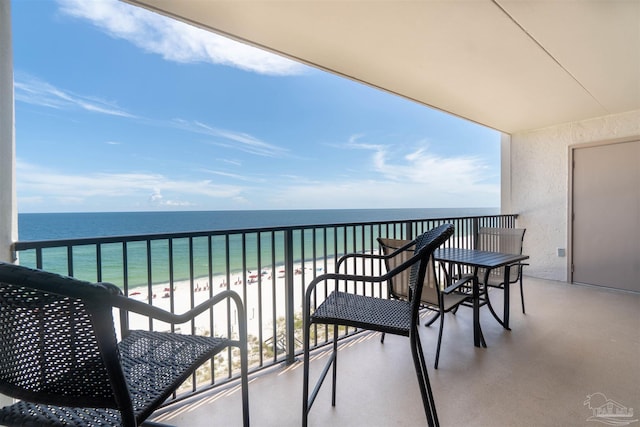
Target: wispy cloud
(157, 199)
(231, 139)
(234, 176)
(354, 144)
(367, 193)
(41, 185)
(392, 175)
(174, 40)
(233, 162)
(421, 166)
(32, 90)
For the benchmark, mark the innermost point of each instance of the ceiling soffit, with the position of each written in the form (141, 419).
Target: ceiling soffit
(508, 64)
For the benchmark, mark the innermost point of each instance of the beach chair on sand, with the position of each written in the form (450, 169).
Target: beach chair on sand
(60, 356)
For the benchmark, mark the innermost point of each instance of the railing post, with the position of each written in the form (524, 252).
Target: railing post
(284, 336)
(408, 229)
(475, 232)
(289, 300)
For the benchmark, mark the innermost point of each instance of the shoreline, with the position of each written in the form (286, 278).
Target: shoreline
(262, 295)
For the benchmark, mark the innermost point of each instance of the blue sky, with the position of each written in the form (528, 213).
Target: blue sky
(120, 109)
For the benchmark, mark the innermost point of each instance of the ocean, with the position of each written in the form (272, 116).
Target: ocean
(60, 226)
(52, 226)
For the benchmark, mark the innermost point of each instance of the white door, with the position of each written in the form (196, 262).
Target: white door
(606, 215)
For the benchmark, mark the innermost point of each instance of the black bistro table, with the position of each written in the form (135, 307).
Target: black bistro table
(481, 259)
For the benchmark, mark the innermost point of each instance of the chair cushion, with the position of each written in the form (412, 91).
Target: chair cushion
(39, 415)
(382, 315)
(156, 363)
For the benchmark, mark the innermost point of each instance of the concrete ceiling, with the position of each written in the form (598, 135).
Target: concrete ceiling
(512, 65)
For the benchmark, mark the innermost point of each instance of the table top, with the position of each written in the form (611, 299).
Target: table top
(477, 258)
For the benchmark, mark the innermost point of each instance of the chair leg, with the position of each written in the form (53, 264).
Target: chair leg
(522, 294)
(335, 364)
(439, 339)
(305, 375)
(309, 398)
(244, 373)
(430, 322)
(382, 338)
(244, 366)
(423, 380)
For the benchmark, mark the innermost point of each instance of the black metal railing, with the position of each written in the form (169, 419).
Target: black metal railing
(269, 267)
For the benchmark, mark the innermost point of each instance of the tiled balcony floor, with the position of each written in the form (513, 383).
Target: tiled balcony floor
(574, 341)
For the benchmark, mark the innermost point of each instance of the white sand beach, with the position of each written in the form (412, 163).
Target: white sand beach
(264, 292)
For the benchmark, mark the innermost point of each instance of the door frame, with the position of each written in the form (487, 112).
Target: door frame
(572, 149)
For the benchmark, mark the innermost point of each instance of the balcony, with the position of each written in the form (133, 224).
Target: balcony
(574, 341)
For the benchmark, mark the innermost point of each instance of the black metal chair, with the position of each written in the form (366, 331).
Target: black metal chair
(59, 352)
(505, 240)
(433, 297)
(398, 317)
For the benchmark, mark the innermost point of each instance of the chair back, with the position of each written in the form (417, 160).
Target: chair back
(421, 278)
(505, 240)
(426, 244)
(57, 341)
(399, 284)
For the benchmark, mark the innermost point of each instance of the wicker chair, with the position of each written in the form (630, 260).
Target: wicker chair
(433, 297)
(506, 240)
(398, 317)
(59, 352)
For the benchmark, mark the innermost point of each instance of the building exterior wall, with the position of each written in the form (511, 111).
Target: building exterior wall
(538, 188)
(8, 210)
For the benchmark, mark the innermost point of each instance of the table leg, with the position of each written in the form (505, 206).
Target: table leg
(478, 337)
(507, 276)
(505, 305)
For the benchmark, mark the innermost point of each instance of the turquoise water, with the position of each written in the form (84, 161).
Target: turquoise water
(265, 252)
(48, 226)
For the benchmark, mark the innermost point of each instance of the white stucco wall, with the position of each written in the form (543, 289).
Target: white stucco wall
(8, 211)
(538, 187)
